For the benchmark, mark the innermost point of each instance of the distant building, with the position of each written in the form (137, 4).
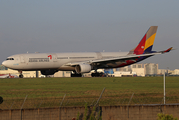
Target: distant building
(142, 69)
(162, 71)
(171, 72)
(176, 71)
(123, 73)
(138, 69)
(125, 69)
(137, 66)
(26, 74)
(63, 74)
(3, 67)
(151, 69)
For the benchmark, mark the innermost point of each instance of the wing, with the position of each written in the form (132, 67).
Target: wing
(110, 60)
(104, 62)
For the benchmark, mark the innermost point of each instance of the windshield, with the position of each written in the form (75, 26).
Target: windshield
(10, 59)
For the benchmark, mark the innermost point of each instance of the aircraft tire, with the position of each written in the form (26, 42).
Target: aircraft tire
(21, 76)
(96, 74)
(76, 75)
(1, 100)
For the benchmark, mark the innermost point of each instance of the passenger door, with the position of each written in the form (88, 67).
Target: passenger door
(22, 59)
(54, 58)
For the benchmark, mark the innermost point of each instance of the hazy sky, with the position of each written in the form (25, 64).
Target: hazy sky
(88, 26)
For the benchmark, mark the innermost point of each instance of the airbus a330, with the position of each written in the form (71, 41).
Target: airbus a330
(79, 63)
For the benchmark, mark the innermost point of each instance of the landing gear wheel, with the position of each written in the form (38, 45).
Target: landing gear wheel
(21, 76)
(97, 74)
(1, 100)
(76, 75)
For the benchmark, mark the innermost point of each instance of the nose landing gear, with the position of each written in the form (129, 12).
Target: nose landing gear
(21, 75)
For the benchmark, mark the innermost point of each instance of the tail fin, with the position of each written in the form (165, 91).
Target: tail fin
(146, 44)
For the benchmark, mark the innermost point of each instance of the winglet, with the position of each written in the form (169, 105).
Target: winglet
(168, 50)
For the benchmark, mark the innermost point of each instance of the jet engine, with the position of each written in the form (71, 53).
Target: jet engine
(48, 72)
(83, 68)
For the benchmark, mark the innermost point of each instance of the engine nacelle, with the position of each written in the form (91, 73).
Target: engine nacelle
(48, 72)
(83, 68)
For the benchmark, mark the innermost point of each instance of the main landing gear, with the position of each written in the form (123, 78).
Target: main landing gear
(74, 74)
(21, 75)
(97, 74)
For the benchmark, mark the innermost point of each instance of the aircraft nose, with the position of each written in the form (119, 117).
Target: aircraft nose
(4, 63)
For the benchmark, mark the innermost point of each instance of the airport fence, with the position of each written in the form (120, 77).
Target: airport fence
(64, 98)
(105, 97)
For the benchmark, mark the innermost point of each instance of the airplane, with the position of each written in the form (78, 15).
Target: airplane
(8, 76)
(79, 63)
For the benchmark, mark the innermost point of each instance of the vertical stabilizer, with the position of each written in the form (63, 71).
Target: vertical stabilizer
(146, 44)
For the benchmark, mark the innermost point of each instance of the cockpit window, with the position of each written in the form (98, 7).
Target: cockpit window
(10, 59)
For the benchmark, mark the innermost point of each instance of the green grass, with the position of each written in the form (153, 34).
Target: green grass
(48, 92)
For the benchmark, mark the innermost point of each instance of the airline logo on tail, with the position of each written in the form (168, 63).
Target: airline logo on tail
(146, 44)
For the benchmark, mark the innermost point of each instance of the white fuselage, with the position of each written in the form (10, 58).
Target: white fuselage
(41, 61)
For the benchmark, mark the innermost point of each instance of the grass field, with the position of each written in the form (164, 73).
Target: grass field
(49, 92)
